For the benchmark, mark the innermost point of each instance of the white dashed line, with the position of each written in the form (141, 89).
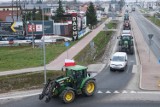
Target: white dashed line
(100, 92)
(116, 92)
(128, 92)
(124, 92)
(108, 92)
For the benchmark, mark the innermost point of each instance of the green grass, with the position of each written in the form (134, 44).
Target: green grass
(143, 10)
(26, 81)
(154, 20)
(111, 25)
(13, 57)
(91, 55)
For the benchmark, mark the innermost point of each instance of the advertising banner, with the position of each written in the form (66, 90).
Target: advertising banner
(74, 26)
(38, 27)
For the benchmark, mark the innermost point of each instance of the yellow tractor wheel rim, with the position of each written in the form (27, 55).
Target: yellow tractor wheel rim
(90, 88)
(69, 96)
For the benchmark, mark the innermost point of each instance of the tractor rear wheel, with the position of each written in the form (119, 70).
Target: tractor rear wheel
(89, 88)
(67, 96)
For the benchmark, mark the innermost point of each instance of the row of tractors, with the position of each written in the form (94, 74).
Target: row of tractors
(126, 39)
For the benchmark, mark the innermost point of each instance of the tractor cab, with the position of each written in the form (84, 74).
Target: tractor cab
(76, 71)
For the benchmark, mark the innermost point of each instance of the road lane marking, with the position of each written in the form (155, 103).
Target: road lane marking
(133, 92)
(124, 92)
(99, 92)
(128, 92)
(116, 91)
(134, 69)
(108, 92)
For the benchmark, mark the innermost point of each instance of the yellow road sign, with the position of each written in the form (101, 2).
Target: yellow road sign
(12, 27)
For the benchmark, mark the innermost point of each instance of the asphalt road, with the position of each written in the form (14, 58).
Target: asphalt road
(99, 100)
(148, 28)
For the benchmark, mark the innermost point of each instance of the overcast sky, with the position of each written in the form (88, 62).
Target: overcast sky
(81, 0)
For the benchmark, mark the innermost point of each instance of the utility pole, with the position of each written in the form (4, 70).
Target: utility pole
(32, 32)
(17, 8)
(12, 10)
(44, 47)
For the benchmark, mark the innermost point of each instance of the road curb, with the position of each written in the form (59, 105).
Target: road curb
(19, 94)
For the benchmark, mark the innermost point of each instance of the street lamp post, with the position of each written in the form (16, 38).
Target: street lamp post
(32, 35)
(32, 31)
(44, 48)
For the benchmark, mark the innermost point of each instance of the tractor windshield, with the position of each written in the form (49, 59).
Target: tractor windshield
(126, 37)
(79, 74)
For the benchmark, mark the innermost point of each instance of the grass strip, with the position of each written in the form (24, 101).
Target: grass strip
(111, 25)
(90, 55)
(155, 20)
(25, 81)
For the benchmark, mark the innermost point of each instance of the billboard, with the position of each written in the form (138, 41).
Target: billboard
(11, 28)
(37, 27)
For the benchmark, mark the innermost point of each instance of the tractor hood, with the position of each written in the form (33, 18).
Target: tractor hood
(60, 80)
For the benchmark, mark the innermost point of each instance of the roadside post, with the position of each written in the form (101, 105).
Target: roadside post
(67, 45)
(150, 36)
(44, 47)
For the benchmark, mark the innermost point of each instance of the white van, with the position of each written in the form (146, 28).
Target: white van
(118, 61)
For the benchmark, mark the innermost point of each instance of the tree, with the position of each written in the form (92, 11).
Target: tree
(40, 13)
(121, 3)
(91, 15)
(34, 13)
(59, 13)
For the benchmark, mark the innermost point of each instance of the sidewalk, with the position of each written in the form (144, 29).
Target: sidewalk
(58, 63)
(150, 76)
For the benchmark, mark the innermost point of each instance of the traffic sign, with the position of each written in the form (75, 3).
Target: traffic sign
(150, 36)
(67, 44)
(12, 27)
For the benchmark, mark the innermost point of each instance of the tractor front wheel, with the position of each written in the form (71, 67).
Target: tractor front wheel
(89, 88)
(67, 96)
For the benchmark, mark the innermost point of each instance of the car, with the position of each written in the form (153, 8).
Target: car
(119, 61)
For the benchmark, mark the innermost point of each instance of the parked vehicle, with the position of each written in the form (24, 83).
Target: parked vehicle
(118, 61)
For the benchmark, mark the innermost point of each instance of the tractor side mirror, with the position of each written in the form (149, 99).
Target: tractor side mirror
(118, 37)
(89, 74)
(131, 37)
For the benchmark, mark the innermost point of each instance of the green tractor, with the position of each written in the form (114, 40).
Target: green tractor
(75, 82)
(126, 43)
